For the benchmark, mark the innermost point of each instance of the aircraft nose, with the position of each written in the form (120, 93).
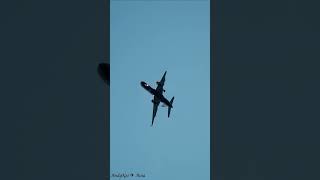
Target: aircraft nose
(143, 84)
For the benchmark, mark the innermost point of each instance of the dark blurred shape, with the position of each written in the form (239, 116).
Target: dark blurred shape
(104, 72)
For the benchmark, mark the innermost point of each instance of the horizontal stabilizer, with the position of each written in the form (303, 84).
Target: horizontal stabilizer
(169, 108)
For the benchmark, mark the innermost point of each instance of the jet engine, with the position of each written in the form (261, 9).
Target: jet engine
(152, 101)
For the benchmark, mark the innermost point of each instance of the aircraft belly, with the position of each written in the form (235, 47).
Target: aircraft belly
(156, 99)
(158, 96)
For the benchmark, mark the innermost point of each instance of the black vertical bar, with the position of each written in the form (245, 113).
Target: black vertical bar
(107, 55)
(216, 92)
(103, 125)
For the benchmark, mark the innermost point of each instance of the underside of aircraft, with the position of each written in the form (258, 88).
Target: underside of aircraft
(158, 96)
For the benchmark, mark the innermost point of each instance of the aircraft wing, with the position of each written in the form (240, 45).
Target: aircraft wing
(156, 103)
(161, 83)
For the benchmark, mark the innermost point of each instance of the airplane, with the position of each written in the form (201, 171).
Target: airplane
(158, 96)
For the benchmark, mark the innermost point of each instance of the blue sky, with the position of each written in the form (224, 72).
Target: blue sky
(147, 39)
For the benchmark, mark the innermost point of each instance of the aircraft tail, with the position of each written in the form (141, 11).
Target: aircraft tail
(169, 108)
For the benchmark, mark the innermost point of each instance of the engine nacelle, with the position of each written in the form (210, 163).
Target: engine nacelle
(152, 101)
(164, 90)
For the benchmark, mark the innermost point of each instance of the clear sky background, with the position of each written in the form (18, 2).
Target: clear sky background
(147, 39)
